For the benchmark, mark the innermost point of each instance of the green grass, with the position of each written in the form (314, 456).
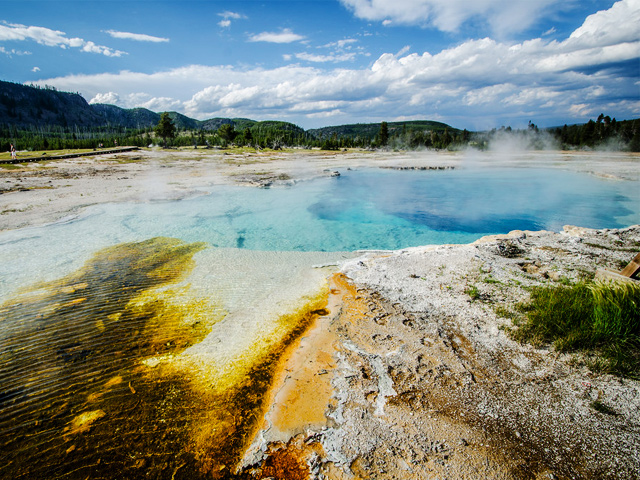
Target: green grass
(473, 292)
(602, 320)
(11, 166)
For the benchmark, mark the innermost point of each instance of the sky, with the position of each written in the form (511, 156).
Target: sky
(475, 64)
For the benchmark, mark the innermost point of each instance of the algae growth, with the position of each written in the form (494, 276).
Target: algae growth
(96, 382)
(76, 401)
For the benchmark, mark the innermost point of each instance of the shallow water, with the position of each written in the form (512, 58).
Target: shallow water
(98, 335)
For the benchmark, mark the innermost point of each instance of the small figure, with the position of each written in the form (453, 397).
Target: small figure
(13, 152)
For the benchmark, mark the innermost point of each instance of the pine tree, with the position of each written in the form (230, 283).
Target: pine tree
(383, 135)
(165, 128)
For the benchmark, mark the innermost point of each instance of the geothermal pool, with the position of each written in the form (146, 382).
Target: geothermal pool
(361, 209)
(142, 338)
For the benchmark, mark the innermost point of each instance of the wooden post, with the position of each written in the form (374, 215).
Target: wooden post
(633, 268)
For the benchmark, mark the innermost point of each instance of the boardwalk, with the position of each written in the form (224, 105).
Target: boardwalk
(39, 158)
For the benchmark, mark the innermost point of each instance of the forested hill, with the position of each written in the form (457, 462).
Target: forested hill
(370, 130)
(25, 107)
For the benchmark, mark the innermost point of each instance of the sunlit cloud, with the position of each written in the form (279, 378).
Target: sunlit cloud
(504, 16)
(138, 37)
(52, 38)
(110, 98)
(285, 36)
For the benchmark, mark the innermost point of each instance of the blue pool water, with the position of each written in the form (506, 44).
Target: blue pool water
(361, 209)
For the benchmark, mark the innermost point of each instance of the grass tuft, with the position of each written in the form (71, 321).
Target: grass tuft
(598, 318)
(473, 292)
(603, 408)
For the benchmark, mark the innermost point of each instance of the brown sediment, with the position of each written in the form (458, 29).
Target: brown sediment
(306, 390)
(303, 391)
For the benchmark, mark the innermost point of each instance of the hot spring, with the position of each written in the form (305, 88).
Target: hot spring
(140, 338)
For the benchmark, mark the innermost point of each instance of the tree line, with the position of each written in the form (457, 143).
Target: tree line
(603, 131)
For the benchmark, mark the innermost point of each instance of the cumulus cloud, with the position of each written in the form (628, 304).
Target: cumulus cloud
(138, 37)
(492, 81)
(285, 36)
(35, 69)
(111, 98)
(609, 27)
(52, 38)
(504, 16)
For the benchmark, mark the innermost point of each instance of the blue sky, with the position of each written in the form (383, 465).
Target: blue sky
(474, 64)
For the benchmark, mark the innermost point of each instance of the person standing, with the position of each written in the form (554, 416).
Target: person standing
(13, 152)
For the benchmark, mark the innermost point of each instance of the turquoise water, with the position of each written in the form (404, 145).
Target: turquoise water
(361, 209)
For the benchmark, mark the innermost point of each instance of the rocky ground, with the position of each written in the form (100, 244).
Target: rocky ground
(426, 384)
(413, 374)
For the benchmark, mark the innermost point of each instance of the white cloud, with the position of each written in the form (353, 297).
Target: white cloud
(13, 51)
(285, 36)
(403, 50)
(341, 44)
(52, 38)
(161, 104)
(309, 57)
(35, 69)
(110, 98)
(486, 79)
(608, 27)
(138, 37)
(504, 16)
(227, 14)
(93, 48)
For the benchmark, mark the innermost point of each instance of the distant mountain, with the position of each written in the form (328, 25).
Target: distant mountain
(130, 118)
(214, 124)
(370, 130)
